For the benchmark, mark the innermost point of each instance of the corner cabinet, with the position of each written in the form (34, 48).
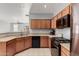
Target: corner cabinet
(40, 24)
(8, 48)
(11, 48)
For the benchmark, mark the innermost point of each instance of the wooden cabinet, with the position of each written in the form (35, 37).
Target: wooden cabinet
(53, 22)
(59, 15)
(7, 48)
(70, 6)
(35, 24)
(66, 21)
(64, 51)
(14, 46)
(47, 24)
(66, 11)
(2, 48)
(11, 48)
(62, 19)
(59, 23)
(19, 44)
(28, 42)
(44, 41)
(40, 23)
(49, 42)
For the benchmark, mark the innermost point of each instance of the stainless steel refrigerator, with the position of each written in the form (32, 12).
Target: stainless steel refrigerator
(75, 30)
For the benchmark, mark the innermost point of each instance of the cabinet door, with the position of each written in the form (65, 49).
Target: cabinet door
(19, 44)
(49, 43)
(38, 24)
(53, 22)
(2, 48)
(44, 43)
(66, 11)
(11, 48)
(59, 15)
(42, 24)
(70, 6)
(47, 24)
(28, 42)
(33, 24)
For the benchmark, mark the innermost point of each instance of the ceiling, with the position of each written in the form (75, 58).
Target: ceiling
(51, 8)
(14, 11)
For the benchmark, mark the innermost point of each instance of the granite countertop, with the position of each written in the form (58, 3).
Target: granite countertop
(66, 45)
(8, 38)
(5, 39)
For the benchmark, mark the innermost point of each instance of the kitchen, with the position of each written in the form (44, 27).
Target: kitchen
(38, 29)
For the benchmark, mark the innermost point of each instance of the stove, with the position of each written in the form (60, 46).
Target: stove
(57, 41)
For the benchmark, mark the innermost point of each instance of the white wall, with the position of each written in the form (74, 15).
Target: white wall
(12, 13)
(4, 26)
(65, 32)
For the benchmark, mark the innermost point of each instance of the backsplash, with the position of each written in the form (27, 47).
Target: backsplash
(39, 31)
(65, 32)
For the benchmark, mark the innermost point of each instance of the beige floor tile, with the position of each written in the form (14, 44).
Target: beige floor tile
(35, 52)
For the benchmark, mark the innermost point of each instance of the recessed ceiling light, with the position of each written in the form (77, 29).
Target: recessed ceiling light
(45, 6)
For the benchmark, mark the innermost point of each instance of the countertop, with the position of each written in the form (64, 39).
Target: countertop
(8, 38)
(66, 45)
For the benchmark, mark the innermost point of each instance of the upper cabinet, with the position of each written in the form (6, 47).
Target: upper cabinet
(62, 19)
(53, 22)
(66, 11)
(40, 23)
(59, 15)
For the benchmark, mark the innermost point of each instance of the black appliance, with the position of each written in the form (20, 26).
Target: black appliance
(52, 32)
(66, 21)
(57, 41)
(35, 41)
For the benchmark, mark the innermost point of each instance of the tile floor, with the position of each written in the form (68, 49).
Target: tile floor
(35, 52)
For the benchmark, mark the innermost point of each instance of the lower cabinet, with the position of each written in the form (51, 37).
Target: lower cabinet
(28, 42)
(2, 48)
(44, 41)
(16, 45)
(19, 44)
(64, 51)
(10, 48)
(23, 43)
